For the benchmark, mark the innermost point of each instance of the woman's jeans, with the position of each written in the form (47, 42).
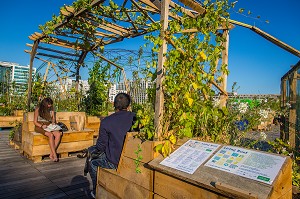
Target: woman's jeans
(102, 162)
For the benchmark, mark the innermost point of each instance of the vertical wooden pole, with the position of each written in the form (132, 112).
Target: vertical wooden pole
(79, 63)
(282, 92)
(159, 101)
(283, 101)
(292, 114)
(223, 97)
(32, 56)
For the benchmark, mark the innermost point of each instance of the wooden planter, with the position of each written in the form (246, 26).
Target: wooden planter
(19, 112)
(9, 121)
(208, 182)
(125, 182)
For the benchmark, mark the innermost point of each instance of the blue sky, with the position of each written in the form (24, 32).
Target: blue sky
(254, 63)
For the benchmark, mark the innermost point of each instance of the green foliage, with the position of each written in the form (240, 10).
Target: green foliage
(281, 147)
(190, 68)
(96, 101)
(16, 129)
(145, 120)
(137, 160)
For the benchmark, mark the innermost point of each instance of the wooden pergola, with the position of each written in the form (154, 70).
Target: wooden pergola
(71, 41)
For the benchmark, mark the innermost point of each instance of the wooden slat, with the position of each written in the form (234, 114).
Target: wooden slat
(51, 180)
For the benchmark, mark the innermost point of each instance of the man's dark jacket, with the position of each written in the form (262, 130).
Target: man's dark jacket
(112, 133)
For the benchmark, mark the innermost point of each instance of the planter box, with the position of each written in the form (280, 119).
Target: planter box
(10, 121)
(172, 183)
(139, 183)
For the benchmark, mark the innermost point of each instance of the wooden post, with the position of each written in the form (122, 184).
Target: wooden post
(292, 114)
(223, 85)
(79, 63)
(283, 101)
(159, 101)
(32, 55)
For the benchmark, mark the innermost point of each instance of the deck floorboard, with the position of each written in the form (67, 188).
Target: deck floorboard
(23, 179)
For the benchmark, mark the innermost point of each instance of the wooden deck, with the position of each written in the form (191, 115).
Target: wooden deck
(21, 178)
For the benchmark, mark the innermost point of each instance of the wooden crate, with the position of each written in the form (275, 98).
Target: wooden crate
(126, 168)
(120, 187)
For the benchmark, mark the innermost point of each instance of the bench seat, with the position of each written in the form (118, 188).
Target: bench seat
(35, 145)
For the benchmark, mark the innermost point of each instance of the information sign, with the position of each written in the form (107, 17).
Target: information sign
(250, 164)
(190, 156)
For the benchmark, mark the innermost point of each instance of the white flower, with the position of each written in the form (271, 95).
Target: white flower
(263, 135)
(216, 102)
(263, 113)
(283, 150)
(243, 107)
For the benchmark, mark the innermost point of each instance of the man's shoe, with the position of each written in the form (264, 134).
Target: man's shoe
(92, 194)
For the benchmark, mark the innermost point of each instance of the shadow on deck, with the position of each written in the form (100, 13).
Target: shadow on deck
(21, 178)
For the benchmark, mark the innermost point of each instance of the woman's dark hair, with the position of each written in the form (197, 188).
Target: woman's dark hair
(122, 101)
(44, 109)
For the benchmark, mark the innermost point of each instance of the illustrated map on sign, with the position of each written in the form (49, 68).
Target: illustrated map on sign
(254, 165)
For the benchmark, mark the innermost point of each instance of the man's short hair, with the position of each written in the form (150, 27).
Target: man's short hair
(122, 101)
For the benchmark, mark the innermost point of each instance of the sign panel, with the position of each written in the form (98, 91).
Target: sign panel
(190, 156)
(250, 164)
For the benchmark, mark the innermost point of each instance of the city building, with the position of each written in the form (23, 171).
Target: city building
(138, 90)
(13, 73)
(68, 84)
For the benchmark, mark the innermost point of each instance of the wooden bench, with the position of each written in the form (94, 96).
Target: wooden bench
(93, 122)
(129, 183)
(11, 121)
(35, 145)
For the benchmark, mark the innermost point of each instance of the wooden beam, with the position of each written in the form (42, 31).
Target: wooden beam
(52, 56)
(268, 37)
(143, 11)
(194, 5)
(119, 67)
(184, 10)
(223, 98)
(79, 64)
(32, 55)
(102, 34)
(52, 50)
(150, 4)
(159, 100)
(62, 43)
(292, 112)
(109, 29)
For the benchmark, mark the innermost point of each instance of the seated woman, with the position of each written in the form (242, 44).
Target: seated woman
(43, 116)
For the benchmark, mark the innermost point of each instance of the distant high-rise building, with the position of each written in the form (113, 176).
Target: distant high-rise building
(138, 90)
(68, 84)
(14, 73)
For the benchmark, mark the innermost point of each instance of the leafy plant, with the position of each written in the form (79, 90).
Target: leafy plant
(137, 160)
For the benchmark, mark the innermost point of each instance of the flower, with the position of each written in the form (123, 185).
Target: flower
(243, 107)
(263, 135)
(216, 102)
(263, 113)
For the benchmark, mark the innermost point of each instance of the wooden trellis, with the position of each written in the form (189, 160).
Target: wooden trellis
(70, 40)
